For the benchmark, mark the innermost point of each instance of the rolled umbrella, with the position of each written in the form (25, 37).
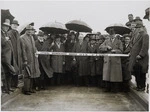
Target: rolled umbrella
(78, 26)
(5, 14)
(54, 28)
(119, 29)
(22, 28)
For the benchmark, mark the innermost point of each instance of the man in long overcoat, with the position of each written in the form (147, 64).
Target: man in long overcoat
(69, 44)
(112, 71)
(138, 63)
(44, 60)
(8, 63)
(82, 61)
(29, 59)
(15, 40)
(125, 64)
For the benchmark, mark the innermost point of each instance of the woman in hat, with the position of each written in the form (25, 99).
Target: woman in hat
(57, 61)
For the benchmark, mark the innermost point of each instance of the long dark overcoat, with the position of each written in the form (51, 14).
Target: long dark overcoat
(140, 47)
(28, 53)
(99, 62)
(112, 70)
(92, 60)
(56, 60)
(125, 63)
(15, 40)
(82, 61)
(8, 62)
(68, 48)
(45, 59)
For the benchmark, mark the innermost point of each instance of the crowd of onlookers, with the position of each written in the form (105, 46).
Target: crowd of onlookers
(18, 56)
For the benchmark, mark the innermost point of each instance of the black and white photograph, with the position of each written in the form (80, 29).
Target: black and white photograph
(86, 55)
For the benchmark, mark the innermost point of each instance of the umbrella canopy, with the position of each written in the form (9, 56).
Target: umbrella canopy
(5, 14)
(54, 28)
(22, 28)
(79, 26)
(119, 29)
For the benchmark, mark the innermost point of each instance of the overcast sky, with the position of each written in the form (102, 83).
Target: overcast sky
(97, 14)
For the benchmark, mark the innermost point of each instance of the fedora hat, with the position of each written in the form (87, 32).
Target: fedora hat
(15, 22)
(7, 22)
(29, 27)
(137, 18)
(40, 33)
(147, 13)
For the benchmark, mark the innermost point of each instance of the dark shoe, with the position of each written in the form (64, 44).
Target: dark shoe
(27, 93)
(4, 91)
(32, 91)
(136, 88)
(107, 90)
(12, 90)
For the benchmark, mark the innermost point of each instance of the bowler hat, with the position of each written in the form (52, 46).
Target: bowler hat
(137, 18)
(7, 22)
(15, 22)
(147, 13)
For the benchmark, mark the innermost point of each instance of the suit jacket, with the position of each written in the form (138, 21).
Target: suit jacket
(140, 47)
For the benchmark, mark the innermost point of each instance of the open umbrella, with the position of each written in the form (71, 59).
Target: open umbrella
(5, 14)
(54, 28)
(79, 26)
(119, 29)
(22, 28)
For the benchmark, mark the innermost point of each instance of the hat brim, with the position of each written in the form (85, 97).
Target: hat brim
(139, 26)
(6, 24)
(146, 16)
(16, 24)
(137, 19)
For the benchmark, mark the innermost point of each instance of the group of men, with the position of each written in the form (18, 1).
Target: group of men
(19, 57)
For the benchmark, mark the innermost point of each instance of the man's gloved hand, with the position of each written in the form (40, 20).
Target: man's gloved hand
(138, 57)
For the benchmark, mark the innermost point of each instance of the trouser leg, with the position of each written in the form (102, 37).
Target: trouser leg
(8, 81)
(15, 81)
(143, 80)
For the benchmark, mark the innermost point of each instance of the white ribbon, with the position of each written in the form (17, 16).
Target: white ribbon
(80, 54)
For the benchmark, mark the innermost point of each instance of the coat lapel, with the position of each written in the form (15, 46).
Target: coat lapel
(139, 36)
